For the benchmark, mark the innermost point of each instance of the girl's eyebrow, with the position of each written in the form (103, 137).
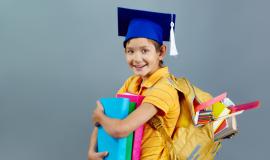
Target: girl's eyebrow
(138, 47)
(144, 46)
(129, 47)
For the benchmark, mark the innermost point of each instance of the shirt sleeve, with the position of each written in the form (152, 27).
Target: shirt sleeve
(162, 97)
(124, 87)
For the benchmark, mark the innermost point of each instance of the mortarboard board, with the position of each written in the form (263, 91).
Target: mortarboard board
(152, 25)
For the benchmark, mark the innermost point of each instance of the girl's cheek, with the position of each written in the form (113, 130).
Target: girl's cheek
(129, 62)
(128, 59)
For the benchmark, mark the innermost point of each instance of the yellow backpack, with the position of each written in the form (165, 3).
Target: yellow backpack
(188, 142)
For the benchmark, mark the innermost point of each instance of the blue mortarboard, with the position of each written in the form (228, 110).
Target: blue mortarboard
(152, 25)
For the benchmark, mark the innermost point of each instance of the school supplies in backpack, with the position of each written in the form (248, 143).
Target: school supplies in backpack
(193, 141)
(188, 141)
(229, 130)
(200, 113)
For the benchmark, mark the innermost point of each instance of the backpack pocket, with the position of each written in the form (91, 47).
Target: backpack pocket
(192, 143)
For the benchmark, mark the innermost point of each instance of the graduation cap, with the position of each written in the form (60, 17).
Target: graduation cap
(152, 25)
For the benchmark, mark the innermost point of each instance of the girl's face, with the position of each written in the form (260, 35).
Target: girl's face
(142, 56)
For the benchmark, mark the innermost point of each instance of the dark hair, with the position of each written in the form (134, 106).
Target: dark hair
(156, 44)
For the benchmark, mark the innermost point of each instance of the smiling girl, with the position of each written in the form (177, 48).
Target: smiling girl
(144, 52)
(144, 56)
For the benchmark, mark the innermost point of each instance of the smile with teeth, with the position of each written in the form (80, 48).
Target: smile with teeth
(139, 66)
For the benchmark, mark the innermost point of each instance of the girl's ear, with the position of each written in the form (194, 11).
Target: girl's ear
(162, 51)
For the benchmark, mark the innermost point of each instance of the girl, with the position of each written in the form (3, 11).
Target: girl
(144, 52)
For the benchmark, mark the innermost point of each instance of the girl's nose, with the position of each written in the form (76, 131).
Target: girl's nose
(137, 57)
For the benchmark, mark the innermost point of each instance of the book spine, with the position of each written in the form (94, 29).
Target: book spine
(138, 135)
(136, 151)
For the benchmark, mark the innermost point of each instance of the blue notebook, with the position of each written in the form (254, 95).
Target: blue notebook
(114, 108)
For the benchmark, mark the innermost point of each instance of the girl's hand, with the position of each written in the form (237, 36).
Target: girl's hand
(92, 155)
(97, 114)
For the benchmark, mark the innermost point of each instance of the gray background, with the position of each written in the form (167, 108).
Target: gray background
(57, 57)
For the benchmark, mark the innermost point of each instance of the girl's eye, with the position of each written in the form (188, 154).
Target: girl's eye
(130, 52)
(145, 51)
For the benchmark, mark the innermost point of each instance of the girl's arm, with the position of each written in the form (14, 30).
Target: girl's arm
(92, 151)
(122, 128)
(93, 140)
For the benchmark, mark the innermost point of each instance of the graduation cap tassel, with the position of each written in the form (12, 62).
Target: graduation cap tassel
(173, 49)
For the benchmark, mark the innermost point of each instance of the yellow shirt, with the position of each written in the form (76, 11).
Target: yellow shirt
(157, 91)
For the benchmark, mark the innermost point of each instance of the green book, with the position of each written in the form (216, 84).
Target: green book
(132, 106)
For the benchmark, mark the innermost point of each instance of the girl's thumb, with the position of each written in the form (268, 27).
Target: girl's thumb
(102, 154)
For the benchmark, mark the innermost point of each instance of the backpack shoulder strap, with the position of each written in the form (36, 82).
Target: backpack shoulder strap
(180, 84)
(157, 124)
(183, 86)
(190, 92)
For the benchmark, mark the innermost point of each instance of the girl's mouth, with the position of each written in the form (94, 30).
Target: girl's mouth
(139, 67)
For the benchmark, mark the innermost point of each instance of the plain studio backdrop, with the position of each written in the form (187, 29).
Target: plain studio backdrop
(57, 57)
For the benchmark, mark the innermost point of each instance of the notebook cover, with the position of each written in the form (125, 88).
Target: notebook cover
(136, 150)
(132, 97)
(246, 106)
(228, 102)
(223, 125)
(229, 130)
(114, 108)
(219, 110)
(210, 102)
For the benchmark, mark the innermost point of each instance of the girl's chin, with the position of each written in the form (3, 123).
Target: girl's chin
(141, 74)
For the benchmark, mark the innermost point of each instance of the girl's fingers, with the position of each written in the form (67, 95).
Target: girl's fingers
(99, 105)
(97, 155)
(102, 154)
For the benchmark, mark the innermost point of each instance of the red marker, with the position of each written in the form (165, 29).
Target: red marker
(246, 106)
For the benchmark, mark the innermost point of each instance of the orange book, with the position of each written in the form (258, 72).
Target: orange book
(223, 125)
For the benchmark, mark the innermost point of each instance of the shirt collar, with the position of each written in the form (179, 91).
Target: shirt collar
(157, 75)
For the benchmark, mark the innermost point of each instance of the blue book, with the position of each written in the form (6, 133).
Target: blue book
(114, 108)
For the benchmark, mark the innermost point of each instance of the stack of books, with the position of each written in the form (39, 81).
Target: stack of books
(226, 130)
(222, 115)
(125, 148)
(228, 127)
(219, 110)
(135, 150)
(200, 110)
(205, 116)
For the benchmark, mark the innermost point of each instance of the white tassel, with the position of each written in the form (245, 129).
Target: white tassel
(173, 49)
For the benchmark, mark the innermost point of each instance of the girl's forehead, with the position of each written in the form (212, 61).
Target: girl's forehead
(140, 42)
